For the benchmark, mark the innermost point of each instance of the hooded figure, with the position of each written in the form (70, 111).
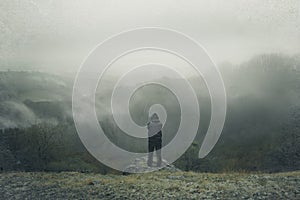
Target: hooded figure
(154, 127)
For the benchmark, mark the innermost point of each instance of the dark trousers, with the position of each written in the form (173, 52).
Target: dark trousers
(154, 143)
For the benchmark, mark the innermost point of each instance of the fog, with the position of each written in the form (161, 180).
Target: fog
(56, 36)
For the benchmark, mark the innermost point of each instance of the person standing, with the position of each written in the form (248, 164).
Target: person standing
(154, 127)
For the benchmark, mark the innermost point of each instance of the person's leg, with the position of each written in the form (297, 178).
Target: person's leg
(158, 153)
(150, 153)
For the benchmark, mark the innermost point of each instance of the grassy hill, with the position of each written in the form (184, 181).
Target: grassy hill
(156, 185)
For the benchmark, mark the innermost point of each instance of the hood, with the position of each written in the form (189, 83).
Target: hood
(154, 118)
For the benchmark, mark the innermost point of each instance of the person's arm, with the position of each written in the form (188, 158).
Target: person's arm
(161, 126)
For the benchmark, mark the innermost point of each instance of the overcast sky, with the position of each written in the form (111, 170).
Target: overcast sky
(55, 35)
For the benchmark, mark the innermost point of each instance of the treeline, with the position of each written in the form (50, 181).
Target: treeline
(247, 151)
(49, 147)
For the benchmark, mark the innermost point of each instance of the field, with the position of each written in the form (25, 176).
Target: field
(156, 185)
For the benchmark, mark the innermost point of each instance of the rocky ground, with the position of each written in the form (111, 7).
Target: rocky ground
(154, 185)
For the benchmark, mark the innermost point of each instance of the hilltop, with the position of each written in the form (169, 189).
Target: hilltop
(155, 185)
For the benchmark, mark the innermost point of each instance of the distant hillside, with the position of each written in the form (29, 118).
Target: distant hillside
(261, 131)
(32, 97)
